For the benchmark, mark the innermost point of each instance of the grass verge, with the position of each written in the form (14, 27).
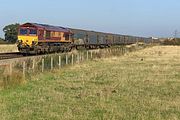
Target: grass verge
(139, 85)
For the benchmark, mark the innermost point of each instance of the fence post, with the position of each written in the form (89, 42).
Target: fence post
(66, 59)
(72, 59)
(124, 50)
(42, 65)
(91, 55)
(59, 62)
(87, 55)
(82, 56)
(51, 63)
(24, 70)
(78, 58)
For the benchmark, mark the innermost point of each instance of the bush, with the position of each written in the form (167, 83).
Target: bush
(172, 41)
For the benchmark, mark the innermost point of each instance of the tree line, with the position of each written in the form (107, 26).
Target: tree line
(11, 33)
(174, 41)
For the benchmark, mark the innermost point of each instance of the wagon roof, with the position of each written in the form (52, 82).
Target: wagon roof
(47, 27)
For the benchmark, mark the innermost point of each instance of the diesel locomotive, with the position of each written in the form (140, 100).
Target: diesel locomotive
(34, 38)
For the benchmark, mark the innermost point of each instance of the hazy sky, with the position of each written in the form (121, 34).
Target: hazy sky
(134, 17)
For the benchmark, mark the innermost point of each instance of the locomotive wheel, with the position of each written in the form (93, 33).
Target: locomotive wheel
(77, 48)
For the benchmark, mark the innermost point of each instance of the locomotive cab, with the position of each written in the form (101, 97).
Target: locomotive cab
(27, 36)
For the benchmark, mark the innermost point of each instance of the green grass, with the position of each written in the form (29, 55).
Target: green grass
(140, 85)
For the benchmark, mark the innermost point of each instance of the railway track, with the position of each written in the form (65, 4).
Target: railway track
(11, 55)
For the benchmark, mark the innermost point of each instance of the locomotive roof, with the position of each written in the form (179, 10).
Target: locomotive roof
(47, 27)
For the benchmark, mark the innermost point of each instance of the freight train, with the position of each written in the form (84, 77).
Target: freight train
(34, 38)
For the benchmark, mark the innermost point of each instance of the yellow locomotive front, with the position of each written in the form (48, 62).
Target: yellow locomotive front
(27, 36)
(27, 39)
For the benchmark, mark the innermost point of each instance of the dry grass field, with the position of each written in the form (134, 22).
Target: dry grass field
(8, 48)
(141, 85)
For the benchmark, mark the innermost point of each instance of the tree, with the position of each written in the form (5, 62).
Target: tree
(11, 32)
(1, 39)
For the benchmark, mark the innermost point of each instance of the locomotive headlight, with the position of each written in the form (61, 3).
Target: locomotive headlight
(19, 41)
(34, 42)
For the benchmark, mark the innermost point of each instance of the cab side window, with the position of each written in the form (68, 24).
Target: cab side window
(41, 34)
(48, 34)
(23, 31)
(32, 32)
(66, 36)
